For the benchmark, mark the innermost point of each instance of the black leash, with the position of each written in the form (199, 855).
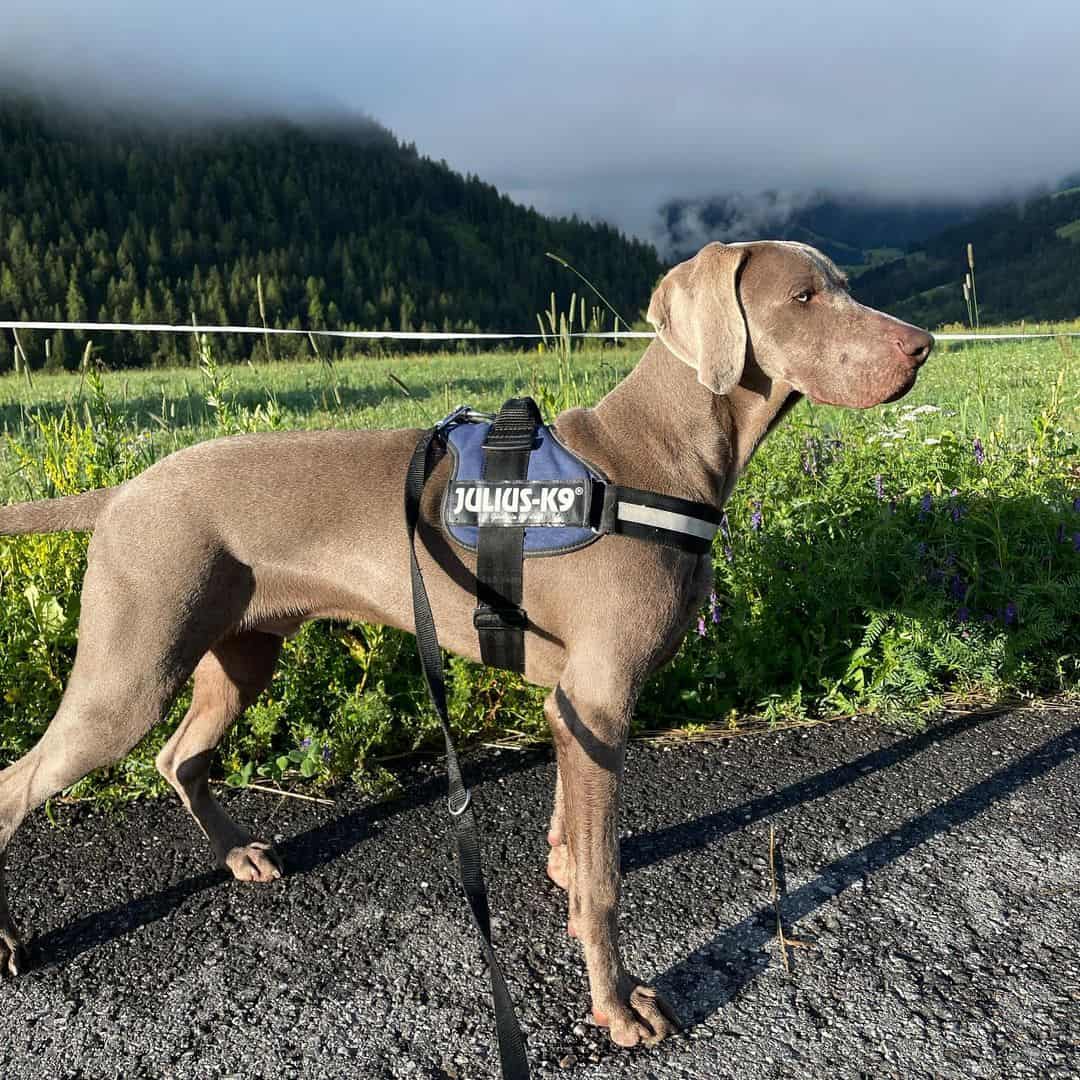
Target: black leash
(429, 451)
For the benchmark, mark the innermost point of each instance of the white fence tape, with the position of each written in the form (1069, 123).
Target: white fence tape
(425, 335)
(364, 335)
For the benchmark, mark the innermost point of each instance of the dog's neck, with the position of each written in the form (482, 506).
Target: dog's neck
(661, 430)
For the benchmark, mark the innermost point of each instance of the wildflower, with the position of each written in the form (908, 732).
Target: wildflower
(879, 488)
(922, 549)
(1009, 616)
(988, 617)
(962, 614)
(1076, 505)
(925, 505)
(729, 554)
(701, 626)
(957, 588)
(714, 607)
(306, 744)
(1076, 541)
(756, 517)
(725, 526)
(980, 453)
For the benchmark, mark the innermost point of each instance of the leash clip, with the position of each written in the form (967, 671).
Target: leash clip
(463, 414)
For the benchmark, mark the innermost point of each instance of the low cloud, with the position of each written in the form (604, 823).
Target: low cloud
(608, 111)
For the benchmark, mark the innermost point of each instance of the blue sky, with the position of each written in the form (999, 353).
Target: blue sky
(609, 108)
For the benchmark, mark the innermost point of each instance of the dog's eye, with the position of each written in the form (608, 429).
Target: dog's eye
(803, 297)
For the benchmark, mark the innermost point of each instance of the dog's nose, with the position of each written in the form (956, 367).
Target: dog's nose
(916, 345)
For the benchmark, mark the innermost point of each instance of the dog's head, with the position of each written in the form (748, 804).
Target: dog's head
(785, 309)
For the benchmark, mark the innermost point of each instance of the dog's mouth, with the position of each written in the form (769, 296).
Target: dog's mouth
(873, 394)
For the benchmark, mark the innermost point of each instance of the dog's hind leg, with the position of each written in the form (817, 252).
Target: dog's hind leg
(139, 642)
(228, 679)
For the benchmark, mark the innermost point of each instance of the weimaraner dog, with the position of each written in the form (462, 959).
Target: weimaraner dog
(202, 564)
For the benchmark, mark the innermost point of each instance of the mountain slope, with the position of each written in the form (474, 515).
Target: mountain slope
(348, 228)
(1027, 267)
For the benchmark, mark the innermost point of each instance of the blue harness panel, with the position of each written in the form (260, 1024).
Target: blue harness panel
(549, 461)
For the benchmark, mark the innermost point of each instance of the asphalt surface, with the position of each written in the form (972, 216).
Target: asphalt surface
(934, 880)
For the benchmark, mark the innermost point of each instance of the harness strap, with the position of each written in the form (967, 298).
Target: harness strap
(662, 519)
(429, 451)
(499, 620)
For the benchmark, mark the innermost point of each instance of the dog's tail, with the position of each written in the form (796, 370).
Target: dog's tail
(75, 513)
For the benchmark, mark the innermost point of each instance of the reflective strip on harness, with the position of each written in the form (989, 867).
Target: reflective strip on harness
(665, 519)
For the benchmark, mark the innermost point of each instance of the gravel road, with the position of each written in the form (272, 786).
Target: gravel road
(932, 879)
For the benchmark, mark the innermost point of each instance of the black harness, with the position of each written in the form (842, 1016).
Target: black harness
(519, 490)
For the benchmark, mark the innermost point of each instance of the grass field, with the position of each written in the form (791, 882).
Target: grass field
(870, 561)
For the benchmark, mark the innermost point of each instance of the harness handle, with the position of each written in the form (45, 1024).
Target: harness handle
(429, 452)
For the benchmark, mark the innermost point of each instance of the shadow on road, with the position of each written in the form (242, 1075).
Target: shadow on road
(302, 854)
(740, 950)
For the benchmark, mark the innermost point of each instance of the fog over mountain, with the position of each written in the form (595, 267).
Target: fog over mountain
(607, 110)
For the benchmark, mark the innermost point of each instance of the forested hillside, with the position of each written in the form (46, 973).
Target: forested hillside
(348, 229)
(1027, 267)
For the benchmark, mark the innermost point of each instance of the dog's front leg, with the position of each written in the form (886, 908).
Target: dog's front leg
(590, 729)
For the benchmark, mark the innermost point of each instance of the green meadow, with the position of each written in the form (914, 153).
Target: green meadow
(875, 562)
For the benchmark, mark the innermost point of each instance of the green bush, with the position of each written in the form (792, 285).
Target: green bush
(856, 571)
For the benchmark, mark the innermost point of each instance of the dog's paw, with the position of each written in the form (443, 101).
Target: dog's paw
(254, 862)
(644, 1017)
(12, 955)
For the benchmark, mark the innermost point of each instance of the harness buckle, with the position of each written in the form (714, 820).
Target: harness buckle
(463, 414)
(486, 617)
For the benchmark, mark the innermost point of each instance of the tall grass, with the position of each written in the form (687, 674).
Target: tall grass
(869, 561)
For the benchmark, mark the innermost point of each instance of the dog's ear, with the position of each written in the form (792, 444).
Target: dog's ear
(697, 315)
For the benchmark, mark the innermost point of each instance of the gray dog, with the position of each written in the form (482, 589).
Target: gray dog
(203, 563)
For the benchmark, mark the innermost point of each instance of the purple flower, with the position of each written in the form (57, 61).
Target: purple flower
(701, 626)
(756, 517)
(957, 588)
(725, 526)
(925, 505)
(729, 554)
(879, 487)
(1010, 614)
(714, 607)
(326, 754)
(988, 617)
(305, 744)
(922, 549)
(1076, 541)
(1076, 505)
(962, 614)
(980, 453)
